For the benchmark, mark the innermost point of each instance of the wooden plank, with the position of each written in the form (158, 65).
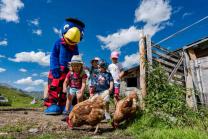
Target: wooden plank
(190, 97)
(192, 54)
(176, 68)
(166, 63)
(170, 70)
(178, 82)
(161, 48)
(165, 56)
(165, 50)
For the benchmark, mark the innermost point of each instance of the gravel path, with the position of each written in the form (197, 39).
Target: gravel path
(34, 124)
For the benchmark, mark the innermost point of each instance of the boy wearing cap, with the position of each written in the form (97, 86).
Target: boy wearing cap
(116, 69)
(75, 81)
(104, 86)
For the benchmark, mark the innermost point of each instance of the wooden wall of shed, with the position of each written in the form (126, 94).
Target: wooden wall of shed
(132, 73)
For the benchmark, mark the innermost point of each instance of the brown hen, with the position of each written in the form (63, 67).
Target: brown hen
(88, 112)
(125, 109)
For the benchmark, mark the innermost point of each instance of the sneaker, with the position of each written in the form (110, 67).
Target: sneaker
(53, 110)
(107, 116)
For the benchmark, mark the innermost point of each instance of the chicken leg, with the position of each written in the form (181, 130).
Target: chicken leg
(96, 129)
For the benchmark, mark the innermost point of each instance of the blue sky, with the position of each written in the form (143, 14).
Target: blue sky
(29, 28)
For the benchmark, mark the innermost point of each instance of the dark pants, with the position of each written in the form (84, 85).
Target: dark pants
(55, 88)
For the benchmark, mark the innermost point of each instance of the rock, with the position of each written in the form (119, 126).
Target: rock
(33, 130)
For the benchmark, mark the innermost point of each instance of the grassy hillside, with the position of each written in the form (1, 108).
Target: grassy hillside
(18, 99)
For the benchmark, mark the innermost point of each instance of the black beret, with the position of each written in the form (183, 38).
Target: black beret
(76, 21)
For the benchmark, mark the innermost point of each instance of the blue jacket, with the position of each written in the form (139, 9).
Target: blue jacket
(61, 54)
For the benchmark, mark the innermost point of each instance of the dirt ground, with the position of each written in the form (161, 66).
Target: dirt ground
(34, 124)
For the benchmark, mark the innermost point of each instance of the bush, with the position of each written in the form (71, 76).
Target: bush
(164, 99)
(166, 111)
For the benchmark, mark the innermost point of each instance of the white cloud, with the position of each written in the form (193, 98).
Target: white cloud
(29, 89)
(169, 23)
(2, 70)
(130, 60)
(57, 31)
(34, 22)
(37, 32)
(34, 74)
(4, 42)
(45, 74)
(177, 10)
(28, 81)
(186, 14)
(2, 56)
(116, 40)
(23, 70)
(153, 13)
(37, 57)
(9, 10)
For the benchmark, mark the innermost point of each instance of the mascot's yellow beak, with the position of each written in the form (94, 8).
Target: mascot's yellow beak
(72, 36)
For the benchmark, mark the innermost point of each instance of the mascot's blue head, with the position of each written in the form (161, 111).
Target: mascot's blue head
(73, 31)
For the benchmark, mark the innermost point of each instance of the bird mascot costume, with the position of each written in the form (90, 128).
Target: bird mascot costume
(62, 52)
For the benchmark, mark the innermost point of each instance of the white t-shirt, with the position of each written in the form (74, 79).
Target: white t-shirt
(115, 70)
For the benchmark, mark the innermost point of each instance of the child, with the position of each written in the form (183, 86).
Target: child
(117, 72)
(104, 86)
(93, 74)
(75, 81)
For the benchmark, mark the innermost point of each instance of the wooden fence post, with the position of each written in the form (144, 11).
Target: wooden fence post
(142, 61)
(149, 50)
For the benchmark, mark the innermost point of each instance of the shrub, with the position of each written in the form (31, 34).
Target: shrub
(166, 113)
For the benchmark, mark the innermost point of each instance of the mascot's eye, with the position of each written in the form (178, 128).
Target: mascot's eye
(66, 26)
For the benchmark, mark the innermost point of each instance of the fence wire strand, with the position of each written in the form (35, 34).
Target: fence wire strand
(180, 31)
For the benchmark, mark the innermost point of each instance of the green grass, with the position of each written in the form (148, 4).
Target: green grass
(164, 132)
(149, 127)
(17, 98)
(173, 133)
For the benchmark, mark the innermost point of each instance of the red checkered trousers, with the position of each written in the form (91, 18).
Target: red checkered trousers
(55, 88)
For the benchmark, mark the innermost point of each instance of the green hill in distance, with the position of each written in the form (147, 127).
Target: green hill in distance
(18, 98)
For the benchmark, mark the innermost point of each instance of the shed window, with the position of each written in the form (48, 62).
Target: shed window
(132, 82)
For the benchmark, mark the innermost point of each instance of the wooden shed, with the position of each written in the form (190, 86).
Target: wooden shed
(187, 66)
(131, 77)
(196, 71)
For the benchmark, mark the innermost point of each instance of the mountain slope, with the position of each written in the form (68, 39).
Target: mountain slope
(18, 98)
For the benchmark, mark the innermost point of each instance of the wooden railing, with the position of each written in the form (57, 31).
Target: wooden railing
(172, 61)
